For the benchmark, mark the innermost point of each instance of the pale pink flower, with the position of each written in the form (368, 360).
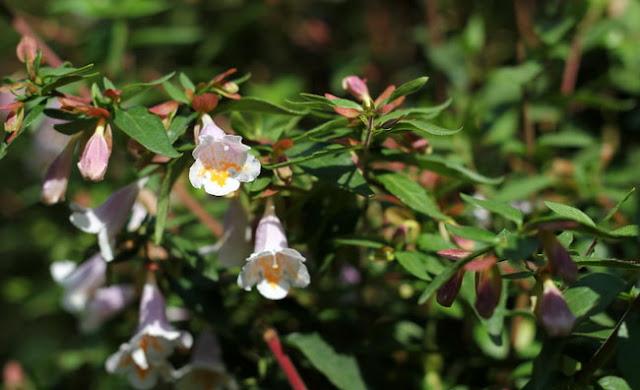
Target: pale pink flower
(106, 303)
(273, 266)
(236, 242)
(356, 87)
(109, 218)
(95, 156)
(80, 282)
(54, 186)
(144, 358)
(222, 161)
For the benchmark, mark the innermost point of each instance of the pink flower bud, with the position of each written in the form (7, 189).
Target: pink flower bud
(488, 290)
(356, 87)
(14, 119)
(553, 312)
(560, 261)
(270, 234)
(27, 50)
(95, 156)
(55, 181)
(205, 102)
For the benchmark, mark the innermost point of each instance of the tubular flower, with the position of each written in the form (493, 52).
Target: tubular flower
(54, 186)
(95, 156)
(222, 161)
(80, 282)
(144, 358)
(273, 266)
(236, 242)
(553, 311)
(205, 371)
(106, 303)
(109, 218)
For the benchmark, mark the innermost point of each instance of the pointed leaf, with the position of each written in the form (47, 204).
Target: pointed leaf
(341, 370)
(145, 128)
(570, 213)
(410, 193)
(501, 208)
(408, 88)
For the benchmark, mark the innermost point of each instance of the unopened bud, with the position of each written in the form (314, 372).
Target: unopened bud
(356, 87)
(54, 186)
(450, 289)
(14, 119)
(560, 261)
(27, 50)
(205, 103)
(553, 312)
(95, 156)
(488, 290)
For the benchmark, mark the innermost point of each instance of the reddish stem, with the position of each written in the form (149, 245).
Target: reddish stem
(271, 338)
(199, 211)
(571, 67)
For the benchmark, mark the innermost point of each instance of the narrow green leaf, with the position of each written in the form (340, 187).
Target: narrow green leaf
(520, 188)
(179, 126)
(324, 128)
(186, 82)
(341, 370)
(253, 104)
(410, 193)
(145, 128)
(617, 206)
(613, 383)
(174, 169)
(33, 114)
(605, 262)
(131, 89)
(441, 166)
(76, 126)
(473, 233)
(419, 264)
(359, 241)
(175, 93)
(504, 209)
(408, 88)
(570, 213)
(424, 128)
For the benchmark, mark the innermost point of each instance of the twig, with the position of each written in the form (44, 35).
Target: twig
(214, 226)
(23, 28)
(571, 67)
(271, 338)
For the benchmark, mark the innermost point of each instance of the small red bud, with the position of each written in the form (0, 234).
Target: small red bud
(488, 290)
(447, 294)
(553, 312)
(205, 103)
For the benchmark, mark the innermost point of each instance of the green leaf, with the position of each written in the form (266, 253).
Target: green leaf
(570, 213)
(522, 187)
(186, 82)
(146, 128)
(132, 89)
(174, 170)
(374, 242)
(509, 212)
(473, 233)
(613, 383)
(593, 293)
(257, 187)
(76, 126)
(253, 104)
(341, 370)
(419, 264)
(617, 206)
(424, 128)
(175, 93)
(179, 126)
(446, 274)
(441, 166)
(33, 114)
(605, 262)
(410, 193)
(337, 168)
(324, 128)
(408, 88)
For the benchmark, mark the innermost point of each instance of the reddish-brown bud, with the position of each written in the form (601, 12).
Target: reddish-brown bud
(447, 294)
(488, 290)
(205, 103)
(553, 312)
(560, 261)
(15, 117)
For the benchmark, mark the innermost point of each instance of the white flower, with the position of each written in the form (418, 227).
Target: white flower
(144, 358)
(205, 371)
(109, 218)
(222, 161)
(236, 242)
(273, 266)
(80, 282)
